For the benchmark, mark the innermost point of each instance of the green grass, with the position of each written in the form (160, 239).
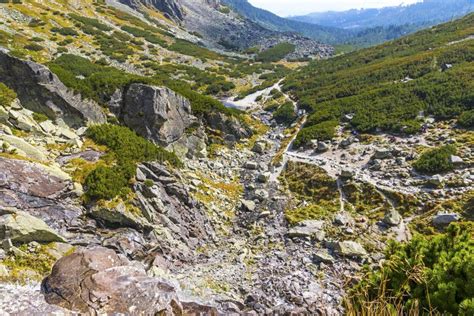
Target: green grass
(276, 53)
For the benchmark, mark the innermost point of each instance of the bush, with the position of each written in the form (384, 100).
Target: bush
(128, 149)
(436, 160)
(7, 95)
(34, 47)
(427, 274)
(466, 119)
(322, 131)
(39, 117)
(276, 53)
(65, 31)
(285, 113)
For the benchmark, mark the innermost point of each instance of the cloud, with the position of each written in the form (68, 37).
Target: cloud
(294, 7)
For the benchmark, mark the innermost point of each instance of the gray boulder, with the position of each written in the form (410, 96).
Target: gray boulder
(41, 91)
(156, 113)
(308, 228)
(20, 228)
(392, 218)
(444, 219)
(350, 249)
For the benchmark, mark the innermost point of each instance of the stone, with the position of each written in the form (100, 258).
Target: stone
(100, 282)
(119, 215)
(23, 228)
(436, 180)
(324, 257)
(343, 219)
(444, 219)
(248, 205)
(263, 177)
(350, 249)
(24, 147)
(259, 147)
(48, 127)
(156, 113)
(392, 218)
(322, 147)
(66, 133)
(457, 161)
(308, 228)
(40, 90)
(382, 154)
(251, 165)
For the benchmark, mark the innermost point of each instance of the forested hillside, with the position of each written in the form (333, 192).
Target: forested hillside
(387, 88)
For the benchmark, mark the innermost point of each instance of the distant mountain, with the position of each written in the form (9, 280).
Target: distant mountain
(272, 21)
(426, 13)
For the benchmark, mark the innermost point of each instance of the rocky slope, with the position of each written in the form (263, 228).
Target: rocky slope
(210, 210)
(212, 21)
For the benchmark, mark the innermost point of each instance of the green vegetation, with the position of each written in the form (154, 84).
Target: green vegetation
(39, 117)
(34, 47)
(127, 149)
(466, 119)
(100, 82)
(187, 48)
(310, 184)
(322, 131)
(149, 36)
(386, 87)
(285, 113)
(40, 261)
(65, 31)
(427, 274)
(435, 160)
(276, 53)
(7, 95)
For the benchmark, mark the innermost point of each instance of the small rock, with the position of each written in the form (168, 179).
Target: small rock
(259, 147)
(392, 218)
(382, 154)
(350, 249)
(308, 228)
(248, 205)
(251, 165)
(263, 177)
(324, 257)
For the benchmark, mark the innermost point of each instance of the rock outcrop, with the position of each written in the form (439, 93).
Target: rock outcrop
(99, 281)
(156, 113)
(41, 91)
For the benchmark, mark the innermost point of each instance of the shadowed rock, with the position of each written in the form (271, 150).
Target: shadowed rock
(40, 90)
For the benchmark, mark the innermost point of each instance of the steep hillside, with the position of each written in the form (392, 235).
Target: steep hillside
(218, 26)
(385, 88)
(274, 22)
(422, 14)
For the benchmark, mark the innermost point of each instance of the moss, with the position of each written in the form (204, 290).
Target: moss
(40, 261)
(312, 185)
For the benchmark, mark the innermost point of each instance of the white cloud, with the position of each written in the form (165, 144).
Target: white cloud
(294, 7)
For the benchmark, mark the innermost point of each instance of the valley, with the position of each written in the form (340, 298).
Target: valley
(151, 164)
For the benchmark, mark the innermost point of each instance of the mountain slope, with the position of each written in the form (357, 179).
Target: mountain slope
(219, 27)
(427, 12)
(385, 88)
(274, 22)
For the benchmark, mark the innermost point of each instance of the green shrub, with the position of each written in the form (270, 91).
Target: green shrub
(128, 149)
(285, 113)
(466, 119)
(65, 31)
(34, 47)
(276, 53)
(187, 48)
(435, 160)
(40, 117)
(7, 95)
(322, 131)
(426, 274)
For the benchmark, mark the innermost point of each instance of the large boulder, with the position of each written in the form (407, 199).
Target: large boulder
(40, 90)
(228, 125)
(156, 113)
(98, 281)
(20, 228)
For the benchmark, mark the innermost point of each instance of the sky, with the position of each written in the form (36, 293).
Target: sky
(296, 7)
